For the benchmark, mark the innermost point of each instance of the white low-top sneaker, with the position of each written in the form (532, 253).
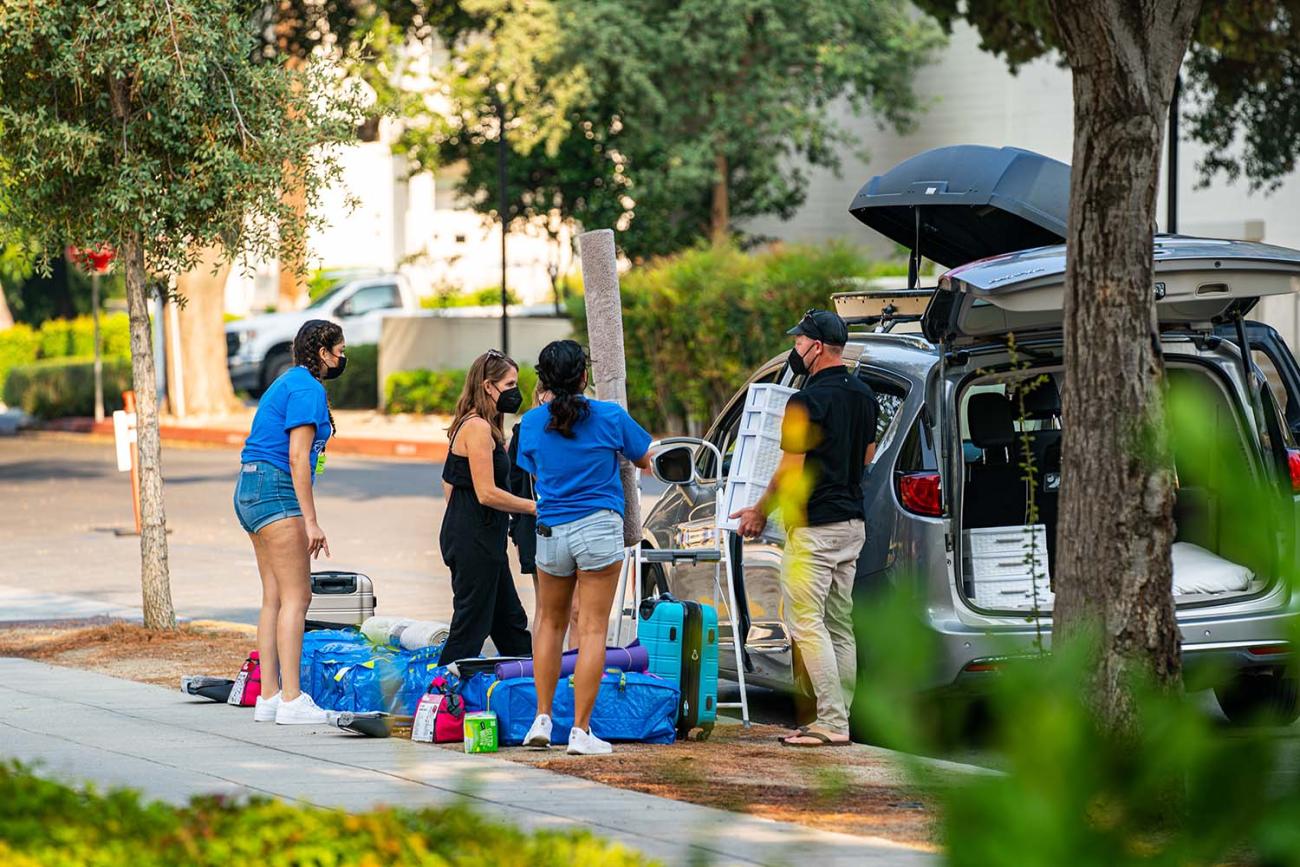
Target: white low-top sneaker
(264, 710)
(302, 711)
(539, 733)
(583, 743)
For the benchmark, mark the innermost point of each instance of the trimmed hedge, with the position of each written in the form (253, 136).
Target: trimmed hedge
(60, 387)
(435, 392)
(700, 322)
(358, 387)
(18, 345)
(63, 338)
(46, 823)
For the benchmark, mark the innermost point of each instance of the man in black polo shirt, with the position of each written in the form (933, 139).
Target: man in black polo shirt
(827, 439)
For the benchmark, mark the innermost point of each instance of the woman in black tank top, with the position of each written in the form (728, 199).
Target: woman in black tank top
(474, 526)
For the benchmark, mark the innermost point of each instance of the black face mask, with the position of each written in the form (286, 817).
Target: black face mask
(336, 372)
(797, 364)
(510, 400)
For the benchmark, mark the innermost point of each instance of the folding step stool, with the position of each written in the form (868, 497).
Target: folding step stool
(720, 557)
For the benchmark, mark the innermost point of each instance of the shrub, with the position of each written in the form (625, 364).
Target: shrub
(488, 296)
(698, 323)
(46, 823)
(56, 338)
(358, 388)
(436, 391)
(18, 345)
(59, 387)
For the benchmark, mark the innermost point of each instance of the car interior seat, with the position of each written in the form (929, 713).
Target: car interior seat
(995, 492)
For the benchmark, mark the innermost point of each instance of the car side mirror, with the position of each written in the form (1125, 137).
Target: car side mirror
(675, 466)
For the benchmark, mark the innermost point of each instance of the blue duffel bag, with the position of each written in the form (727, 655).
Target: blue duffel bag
(421, 668)
(341, 645)
(475, 691)
(630, 706)
(362, 685)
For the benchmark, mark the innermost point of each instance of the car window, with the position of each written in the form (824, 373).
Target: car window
(371, 298)
(889, 400)
(1277, 385)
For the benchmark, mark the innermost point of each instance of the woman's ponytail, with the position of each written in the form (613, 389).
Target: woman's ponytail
(562, 370)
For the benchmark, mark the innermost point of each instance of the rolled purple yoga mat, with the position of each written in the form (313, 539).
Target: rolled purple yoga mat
(634, 658)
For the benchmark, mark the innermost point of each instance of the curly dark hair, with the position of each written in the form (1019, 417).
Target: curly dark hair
(313, 336)
(562, 370)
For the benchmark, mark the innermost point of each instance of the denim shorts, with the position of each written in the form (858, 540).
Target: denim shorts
(263, 495)
(589, 544)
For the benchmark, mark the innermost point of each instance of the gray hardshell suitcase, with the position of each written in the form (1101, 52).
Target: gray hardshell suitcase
(340, 599)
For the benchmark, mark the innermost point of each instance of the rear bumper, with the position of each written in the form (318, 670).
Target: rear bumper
(1233, 644)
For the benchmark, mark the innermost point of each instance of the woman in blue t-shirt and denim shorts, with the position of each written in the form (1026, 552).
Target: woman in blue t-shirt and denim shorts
(282, 456)
(571, 446)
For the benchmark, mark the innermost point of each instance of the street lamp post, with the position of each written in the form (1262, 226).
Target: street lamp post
(1171, 168)
(502, 207)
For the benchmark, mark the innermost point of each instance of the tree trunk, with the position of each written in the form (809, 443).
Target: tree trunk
(6, 317)
(720, 212)
(205, 376)
(154, 579)
(293, 271)
(1113, 571)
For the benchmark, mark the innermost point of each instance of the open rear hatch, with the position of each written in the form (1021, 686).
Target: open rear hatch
(1198, 283)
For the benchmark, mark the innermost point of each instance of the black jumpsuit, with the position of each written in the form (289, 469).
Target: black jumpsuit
(473, 542)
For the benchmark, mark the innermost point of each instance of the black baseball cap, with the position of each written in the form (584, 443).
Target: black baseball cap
(823, 325)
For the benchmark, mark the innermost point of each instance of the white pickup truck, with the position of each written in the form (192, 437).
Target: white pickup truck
(259, 349)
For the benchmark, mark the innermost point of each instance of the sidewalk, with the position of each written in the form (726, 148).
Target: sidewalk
(83, 726)
(360, 432)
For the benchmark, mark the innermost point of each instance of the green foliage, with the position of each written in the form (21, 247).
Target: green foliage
(1177, 789)
(61, 387)
(358, 388)
(127, 122)
(19, 345)
(699, 323)
(62, 339)
(626, 113)
(435, 392)
(488, 296)
(51, 824)
(1239, 75)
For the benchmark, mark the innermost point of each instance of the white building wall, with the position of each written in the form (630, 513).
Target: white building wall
(973, 99)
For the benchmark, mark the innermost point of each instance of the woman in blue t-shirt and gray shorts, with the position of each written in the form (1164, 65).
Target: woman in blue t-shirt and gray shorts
(282, 456)
(571, 446)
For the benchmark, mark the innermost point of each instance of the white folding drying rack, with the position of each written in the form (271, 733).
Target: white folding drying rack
(719, 556)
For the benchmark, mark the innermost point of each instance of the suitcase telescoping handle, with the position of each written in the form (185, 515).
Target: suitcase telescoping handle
(333, 583)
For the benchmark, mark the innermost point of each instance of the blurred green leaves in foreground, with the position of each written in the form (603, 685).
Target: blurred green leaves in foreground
(1186, 789)
(46, 823)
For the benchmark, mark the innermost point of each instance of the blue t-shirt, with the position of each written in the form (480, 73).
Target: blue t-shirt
(295, 399)
(578, 476)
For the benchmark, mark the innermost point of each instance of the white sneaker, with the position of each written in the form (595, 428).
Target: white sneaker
(582, 743)
(539, 733)
(302, 711)
(264, 710)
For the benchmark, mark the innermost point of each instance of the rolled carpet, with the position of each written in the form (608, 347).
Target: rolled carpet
(634, 658)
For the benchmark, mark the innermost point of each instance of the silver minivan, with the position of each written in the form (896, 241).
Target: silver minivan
(946, 487)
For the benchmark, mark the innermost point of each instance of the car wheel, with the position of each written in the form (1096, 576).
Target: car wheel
(1271, 699)
(275, 365)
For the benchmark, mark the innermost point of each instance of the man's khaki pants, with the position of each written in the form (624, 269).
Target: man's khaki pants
(817, 584)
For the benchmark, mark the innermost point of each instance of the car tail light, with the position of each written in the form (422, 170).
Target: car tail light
(1268, 649)
(980, 666)
(1293, 460)
(921, 493)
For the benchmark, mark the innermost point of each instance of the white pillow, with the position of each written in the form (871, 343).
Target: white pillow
(1197, 570)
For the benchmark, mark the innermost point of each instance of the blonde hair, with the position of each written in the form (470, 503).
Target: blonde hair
(491, 366)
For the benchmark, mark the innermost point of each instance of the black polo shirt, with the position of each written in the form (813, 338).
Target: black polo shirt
(841, 413)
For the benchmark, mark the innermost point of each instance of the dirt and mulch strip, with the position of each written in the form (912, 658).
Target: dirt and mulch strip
(130, 651)
(853, 790)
